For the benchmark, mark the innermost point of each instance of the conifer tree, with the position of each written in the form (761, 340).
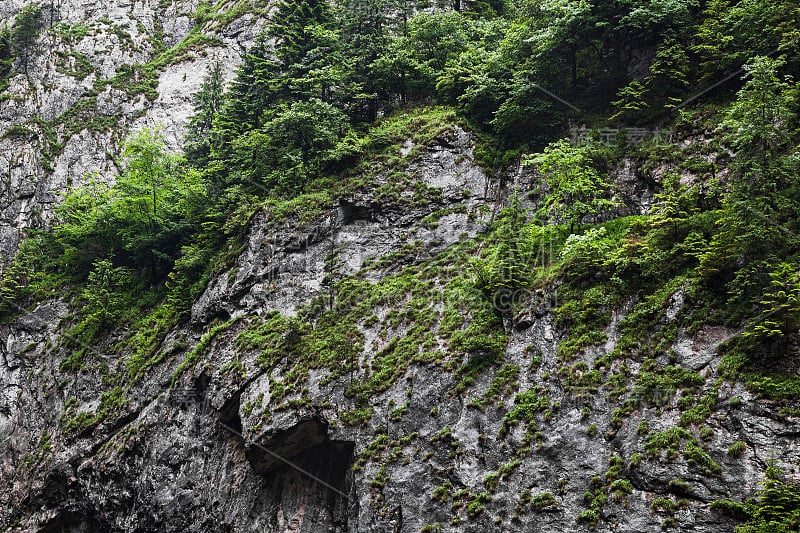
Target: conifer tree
(25, 32)
(207, 103)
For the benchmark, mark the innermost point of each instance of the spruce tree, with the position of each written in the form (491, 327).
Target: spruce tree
(25, 32)
(207, 103)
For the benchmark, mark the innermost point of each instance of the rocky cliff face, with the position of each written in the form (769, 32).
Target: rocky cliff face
(233, 444)
(97, 71)
(362, 432)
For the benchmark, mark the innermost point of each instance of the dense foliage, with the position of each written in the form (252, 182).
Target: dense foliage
(329, 86)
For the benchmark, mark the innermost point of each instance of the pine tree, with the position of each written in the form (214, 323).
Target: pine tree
(302, 64)
(207, 103)
(759, 214)
(661, 90)
(6, 57)
(307, 49)
(368, 28)
(25, 32)
(777, 509)
(574, 178)
(293, 27)
(759, 122)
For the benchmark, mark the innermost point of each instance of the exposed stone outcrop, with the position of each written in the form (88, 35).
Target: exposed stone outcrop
(219, 446)
(69, 114)
(209, 455)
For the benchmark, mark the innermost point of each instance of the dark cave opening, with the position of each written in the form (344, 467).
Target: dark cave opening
(71, 522)
(309, 475)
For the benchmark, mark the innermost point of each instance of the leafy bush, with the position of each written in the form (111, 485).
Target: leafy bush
(679, 486)
(575, 189)
(777, 505)
(543, 500)
(140, 222)
(737, 449)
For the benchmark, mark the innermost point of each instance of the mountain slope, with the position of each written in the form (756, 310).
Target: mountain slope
(343, 309)
(95, 73)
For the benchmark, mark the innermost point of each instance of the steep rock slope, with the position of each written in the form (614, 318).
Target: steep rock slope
(413, 403)
(95, 72)
(347, 369)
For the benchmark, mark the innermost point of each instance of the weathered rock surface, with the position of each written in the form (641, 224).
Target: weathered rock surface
(210, 453)
(75, 117)
(208, 456)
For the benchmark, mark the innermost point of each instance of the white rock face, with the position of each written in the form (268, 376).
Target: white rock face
(63, 121)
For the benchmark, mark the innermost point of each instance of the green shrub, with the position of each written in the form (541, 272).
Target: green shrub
(665, 505)
(679, 486)
(590, 517)
(737, 449)
(442, 492)
(544, 500)
(635, 460)
(476, 506)
(730, 508)
(706, 433)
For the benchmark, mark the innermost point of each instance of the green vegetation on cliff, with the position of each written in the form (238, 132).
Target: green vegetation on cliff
(316, 114)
